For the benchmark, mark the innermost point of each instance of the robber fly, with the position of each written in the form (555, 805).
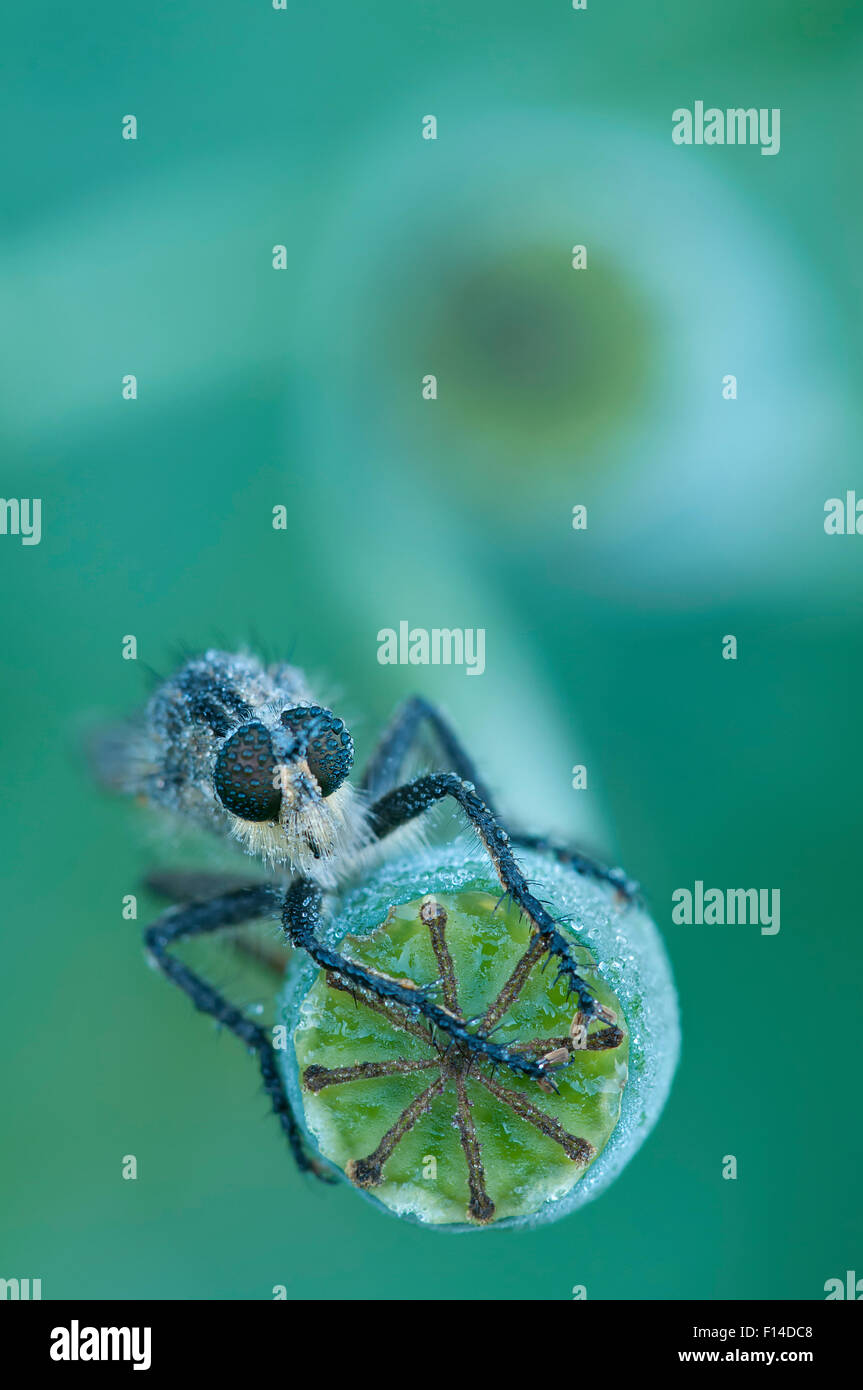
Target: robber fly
(243, 749)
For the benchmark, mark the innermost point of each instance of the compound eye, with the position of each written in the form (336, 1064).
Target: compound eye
(329, 748)
(245, 773)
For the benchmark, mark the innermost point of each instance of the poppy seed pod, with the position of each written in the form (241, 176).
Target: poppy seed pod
(424, 1126)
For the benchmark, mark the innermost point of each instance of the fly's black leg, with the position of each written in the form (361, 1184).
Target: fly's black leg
(407, 802)
(195, 885)
(582, 863)
(384, 768)
(198, 919)
(301, 922)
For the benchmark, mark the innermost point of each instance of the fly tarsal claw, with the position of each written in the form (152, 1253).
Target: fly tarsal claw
(602, 1011)
(581, 1021)
(557, 1058)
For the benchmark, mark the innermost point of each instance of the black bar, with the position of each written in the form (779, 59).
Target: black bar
(221, 1338)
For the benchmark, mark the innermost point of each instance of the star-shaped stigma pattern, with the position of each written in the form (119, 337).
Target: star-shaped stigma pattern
(449, 1064)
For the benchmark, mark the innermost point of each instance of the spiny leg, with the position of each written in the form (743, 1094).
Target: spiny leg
(386, 762)
(582, 863)
(198, 919)
(199, 885)
(407, 802)
(384, 768)
(401, 1017)
(195, 885)
(301, 921)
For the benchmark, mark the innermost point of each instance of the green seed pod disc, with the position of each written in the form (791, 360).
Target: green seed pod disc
(433, 1133)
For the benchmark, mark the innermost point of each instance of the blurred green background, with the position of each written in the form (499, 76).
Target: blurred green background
(259, 127)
